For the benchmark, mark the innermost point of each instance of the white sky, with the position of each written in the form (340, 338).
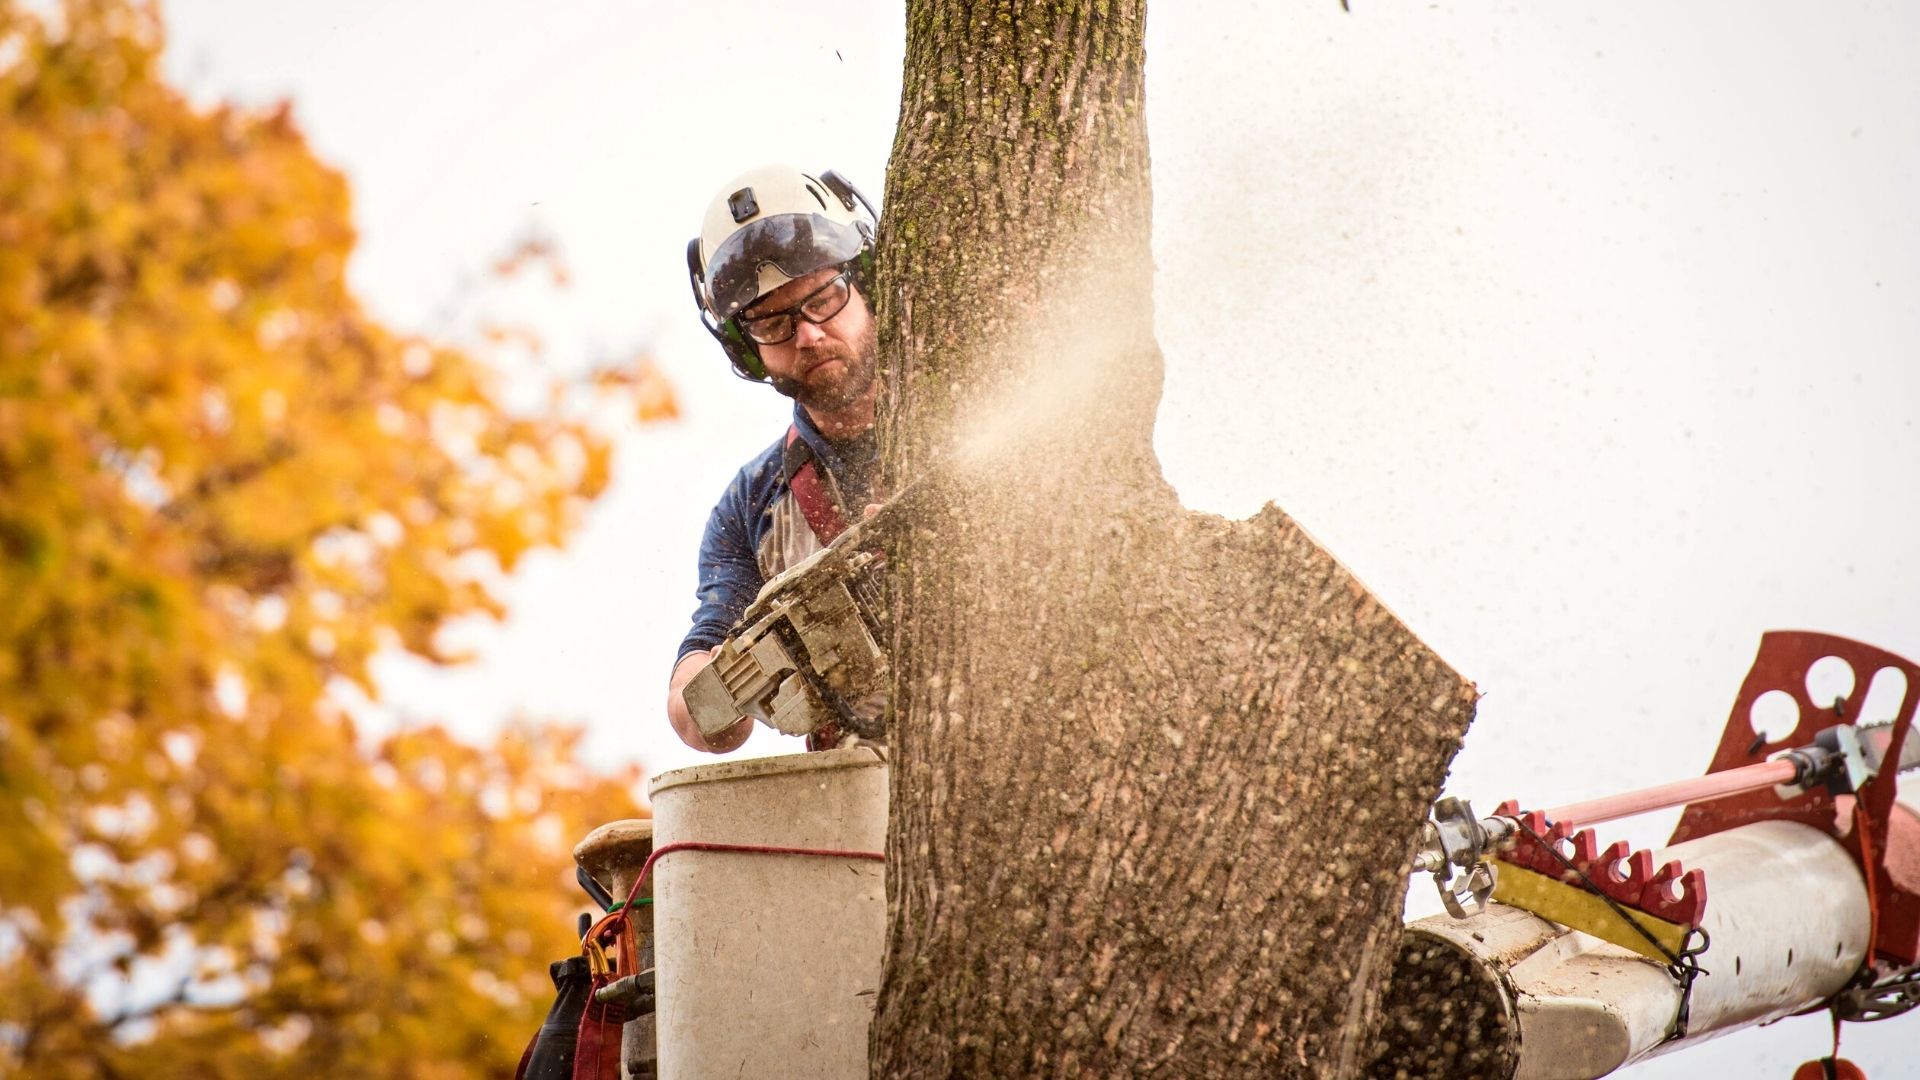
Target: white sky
(1588, 338)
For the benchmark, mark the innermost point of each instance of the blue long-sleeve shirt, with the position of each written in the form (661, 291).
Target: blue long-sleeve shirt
(756, 530)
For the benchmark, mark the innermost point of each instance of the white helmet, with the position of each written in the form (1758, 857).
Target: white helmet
(766, 228)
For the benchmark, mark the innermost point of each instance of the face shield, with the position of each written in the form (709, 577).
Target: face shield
(794, 244)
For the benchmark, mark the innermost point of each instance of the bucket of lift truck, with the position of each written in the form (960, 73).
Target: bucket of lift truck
(769, 964)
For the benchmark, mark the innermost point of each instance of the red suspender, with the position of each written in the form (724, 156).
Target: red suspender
(809, 491)
(826, 521)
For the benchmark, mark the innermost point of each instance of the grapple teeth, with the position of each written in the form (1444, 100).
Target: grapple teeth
(1687, 906)
(1605, 868)
(1624, 874)
(1586, 848)
(1557, 836)
(1632, 883)
(1527, 852)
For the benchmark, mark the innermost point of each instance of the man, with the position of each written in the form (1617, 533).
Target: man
(781, 271)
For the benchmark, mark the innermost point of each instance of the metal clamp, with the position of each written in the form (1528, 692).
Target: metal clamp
(1454, 839)
(633, 991)
(1467, 897)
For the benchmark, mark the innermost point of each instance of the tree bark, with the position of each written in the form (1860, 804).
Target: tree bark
(1156, 775)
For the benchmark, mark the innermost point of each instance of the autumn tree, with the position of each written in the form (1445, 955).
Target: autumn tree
(223, 488)
(1156, 774)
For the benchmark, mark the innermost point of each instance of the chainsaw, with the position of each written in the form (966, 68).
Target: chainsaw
(810, 650)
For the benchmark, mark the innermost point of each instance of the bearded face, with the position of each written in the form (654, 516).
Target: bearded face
(830, 374)
(828, 362)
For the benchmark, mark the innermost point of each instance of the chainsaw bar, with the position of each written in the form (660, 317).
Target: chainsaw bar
(1874, 739)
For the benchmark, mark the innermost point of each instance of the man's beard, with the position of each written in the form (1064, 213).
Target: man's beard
(830, 391)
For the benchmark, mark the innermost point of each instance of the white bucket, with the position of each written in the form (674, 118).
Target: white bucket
(768, 964)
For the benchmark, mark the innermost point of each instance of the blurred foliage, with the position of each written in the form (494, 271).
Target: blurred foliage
(223, 487)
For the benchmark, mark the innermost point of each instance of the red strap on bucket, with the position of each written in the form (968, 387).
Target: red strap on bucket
(646, 868)
(596, 1053)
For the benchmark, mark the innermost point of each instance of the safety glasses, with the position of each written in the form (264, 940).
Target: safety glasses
(818, 306)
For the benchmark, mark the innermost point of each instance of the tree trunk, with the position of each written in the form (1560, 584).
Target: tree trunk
(1156, 774)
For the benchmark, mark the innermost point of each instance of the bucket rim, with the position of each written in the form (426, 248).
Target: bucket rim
(852, 757)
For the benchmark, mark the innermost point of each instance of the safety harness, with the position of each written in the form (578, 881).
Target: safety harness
(824, 515)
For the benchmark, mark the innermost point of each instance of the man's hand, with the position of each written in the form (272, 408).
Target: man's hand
(682, 718)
